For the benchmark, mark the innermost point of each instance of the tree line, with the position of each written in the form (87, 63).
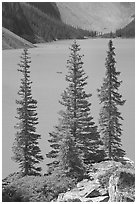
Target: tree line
(76, 143)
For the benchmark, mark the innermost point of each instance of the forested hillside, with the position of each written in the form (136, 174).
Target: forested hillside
(37, 25)
(128, 31)
(49, 8)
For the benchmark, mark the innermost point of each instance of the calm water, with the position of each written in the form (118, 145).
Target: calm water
(47, 60)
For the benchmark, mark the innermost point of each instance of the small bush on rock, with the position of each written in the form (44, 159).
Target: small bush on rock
(104, 178)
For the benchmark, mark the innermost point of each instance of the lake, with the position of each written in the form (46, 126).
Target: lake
(47, 60)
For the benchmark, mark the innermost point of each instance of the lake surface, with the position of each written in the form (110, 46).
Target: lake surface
(47, 60)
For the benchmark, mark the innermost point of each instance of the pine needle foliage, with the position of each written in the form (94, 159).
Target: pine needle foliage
(26, 147)
(110, 116)
(76, 131)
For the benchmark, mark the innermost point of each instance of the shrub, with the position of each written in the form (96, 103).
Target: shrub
(58, 183)
(35, 188)
(25, 189)
(126, 182)
(12, 194)
(104, 178)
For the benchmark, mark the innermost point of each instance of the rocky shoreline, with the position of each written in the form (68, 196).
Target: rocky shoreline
(108, 181)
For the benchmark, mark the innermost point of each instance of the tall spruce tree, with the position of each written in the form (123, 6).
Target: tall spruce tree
(109, 115)
(26, 147)
(76, 121)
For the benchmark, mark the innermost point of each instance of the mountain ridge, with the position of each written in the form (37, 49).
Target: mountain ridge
(39, 22)
(99, 16)
(36, 25)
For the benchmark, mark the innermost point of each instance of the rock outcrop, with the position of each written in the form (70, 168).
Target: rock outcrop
(122, 186)
(108, 181)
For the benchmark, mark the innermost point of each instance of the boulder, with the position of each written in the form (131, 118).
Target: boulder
(69, 197)
(122, 186)
(85, 191)
(89, 189)
(82, 183)
(97, 199)
(94, 193)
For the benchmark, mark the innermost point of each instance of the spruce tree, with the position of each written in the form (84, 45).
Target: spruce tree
(110, 116)
(70, 163)
(75, 120)
(26, 147)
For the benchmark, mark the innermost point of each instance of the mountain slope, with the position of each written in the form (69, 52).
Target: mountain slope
(43, 21)
(11, 40)
(100, 16)
(35, 25)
